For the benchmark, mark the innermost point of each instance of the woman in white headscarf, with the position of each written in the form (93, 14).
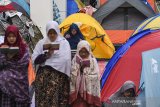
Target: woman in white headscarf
(52, 80)
(85, 83)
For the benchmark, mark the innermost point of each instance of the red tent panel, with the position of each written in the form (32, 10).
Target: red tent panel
(6, 8)
(129, 66)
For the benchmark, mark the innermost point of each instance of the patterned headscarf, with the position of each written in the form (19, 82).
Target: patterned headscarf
(86, 45)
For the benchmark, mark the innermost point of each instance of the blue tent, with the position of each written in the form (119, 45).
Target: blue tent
(23, 4)
(72, 7)
(150, 78)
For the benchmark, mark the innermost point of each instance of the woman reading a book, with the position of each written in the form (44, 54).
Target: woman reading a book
(14, 87)
(85, 83)
(52, 80)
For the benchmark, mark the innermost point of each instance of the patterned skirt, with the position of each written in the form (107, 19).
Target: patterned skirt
(51, 88)
(7, 101)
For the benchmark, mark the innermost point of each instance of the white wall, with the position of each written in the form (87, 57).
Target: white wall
(41, 13)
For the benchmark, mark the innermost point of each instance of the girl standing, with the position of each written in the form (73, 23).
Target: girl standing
(14, 86)
(85, 83)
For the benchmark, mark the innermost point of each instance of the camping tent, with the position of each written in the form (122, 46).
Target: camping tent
(126, 63)
(150, 95)
(150, 23)
(148, 2)
(151, 3)
(19, 5)
(93, 32)
(73, 6)
(120, 17)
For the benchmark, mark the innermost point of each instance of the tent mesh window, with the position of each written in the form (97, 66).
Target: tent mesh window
(123, 18)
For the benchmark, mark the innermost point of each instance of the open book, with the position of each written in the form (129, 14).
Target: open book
(10, 50)
(84, 63)
(51, 46)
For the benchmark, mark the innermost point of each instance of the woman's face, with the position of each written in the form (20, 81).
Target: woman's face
(52, 34)
(83, 53)
(11, 38)
(129, 93)
(73, 31)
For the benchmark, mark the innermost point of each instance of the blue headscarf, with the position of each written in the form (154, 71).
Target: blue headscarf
(74, 39)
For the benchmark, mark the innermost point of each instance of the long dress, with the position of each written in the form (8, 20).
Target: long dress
(52, 80)
(14, 86)
(85, 83)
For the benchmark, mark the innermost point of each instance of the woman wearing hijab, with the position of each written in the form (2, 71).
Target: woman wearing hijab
(52, 80)
(14, 86)
(124, 97)
(85, 83)
(73, 35)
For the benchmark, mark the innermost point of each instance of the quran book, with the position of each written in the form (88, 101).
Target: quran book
(51, 46)
(10, 50)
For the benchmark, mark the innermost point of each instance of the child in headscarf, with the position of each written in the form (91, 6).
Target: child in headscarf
(85, 83)
(52, 80)
(14, 86)
(124, 97)
(73, 35)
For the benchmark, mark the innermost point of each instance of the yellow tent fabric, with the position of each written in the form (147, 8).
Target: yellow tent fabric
(93, 32)
(151, 23)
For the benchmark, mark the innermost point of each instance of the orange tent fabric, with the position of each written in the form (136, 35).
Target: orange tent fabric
(119, 36)
(151, 2)
(31, 73)
(102, 1)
